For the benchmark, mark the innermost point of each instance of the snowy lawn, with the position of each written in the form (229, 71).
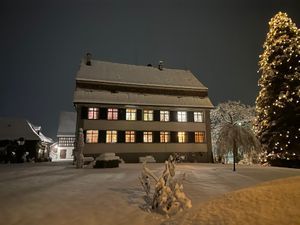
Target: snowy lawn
(57, 193)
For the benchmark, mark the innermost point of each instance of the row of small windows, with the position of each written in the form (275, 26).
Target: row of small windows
(145, 115)
(113, 136)
(66, 141)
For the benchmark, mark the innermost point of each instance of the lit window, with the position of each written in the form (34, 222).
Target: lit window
(130, 114)
(147, 136)
(111, 136)
(93, 113)
(66, 141)
(92, 136)
(148, 115)
(199, 137)
(164, 137)
(181, 116)
(129, 136)
(164, 116)
(182, 137)
(112, 114)
(198, 117)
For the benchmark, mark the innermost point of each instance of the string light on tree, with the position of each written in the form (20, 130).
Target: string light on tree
(278, 112)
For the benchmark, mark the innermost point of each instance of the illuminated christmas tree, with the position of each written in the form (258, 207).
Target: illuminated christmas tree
(278, 104)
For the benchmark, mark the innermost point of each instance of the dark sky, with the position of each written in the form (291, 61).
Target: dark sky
(42, 43)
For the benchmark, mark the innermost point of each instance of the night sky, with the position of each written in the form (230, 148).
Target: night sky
(42, 43)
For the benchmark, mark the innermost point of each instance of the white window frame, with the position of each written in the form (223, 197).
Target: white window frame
(112, 114)
(164, 137)
(148, 136)
(92, 136)
(111, 136)
(130, 114)
(182, 116)
(148, 115)
(93, 113)
(198, 117)
(182, 137)
(164, 116)
(130, 136)
(199, 137)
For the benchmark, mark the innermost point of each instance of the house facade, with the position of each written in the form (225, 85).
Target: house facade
(136, 111)
(66, 137)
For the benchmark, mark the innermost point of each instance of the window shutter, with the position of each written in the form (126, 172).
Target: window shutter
(84, 137)
(173, 116)
(139, 114)
(156, 115)
(156, 136)
(121, 136)
(103, 113)
(102, 136)
(84, 112)
(122, 114)
(174, 137)
(139, 136)
(190, 116)
(191, 137)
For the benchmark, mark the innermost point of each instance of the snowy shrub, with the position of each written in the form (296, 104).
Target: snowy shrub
(167, 196)
(107, 160)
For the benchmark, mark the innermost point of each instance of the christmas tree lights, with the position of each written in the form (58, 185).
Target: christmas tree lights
(277, 106)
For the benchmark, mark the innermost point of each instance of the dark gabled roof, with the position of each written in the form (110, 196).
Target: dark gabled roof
(15, 128)
(136, 75)
(67, 124)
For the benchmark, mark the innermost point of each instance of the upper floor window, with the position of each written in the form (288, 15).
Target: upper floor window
(111, 136)
(147, 136)
(66, 141)
(130, 114)
(129, 136)
(112, 114)
(93, 113)
(164, 116)
(164, 136)
(182, 138)
(148, 115)
(92, 136)
(198, 117)
(199, 137)
(181, 116)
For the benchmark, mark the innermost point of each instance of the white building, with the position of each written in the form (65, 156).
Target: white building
(66, 137)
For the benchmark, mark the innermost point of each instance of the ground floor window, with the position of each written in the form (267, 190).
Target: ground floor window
(147, 137)
(164, 136)
(92, 136)
(182, 137)
(129, 136)
(199, 136)
(111, 136)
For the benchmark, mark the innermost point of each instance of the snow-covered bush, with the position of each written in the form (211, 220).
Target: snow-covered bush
(167, 196)
(107, 160)
(148, 158)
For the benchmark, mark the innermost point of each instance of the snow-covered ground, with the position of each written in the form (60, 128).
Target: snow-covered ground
(57, 193)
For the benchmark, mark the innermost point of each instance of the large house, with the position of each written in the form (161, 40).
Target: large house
(135, 111)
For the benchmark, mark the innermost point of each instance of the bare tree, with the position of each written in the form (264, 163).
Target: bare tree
(232, 129)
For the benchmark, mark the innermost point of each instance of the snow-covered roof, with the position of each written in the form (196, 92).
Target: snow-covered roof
(67, 124)
(107, 97)
(116, 73)
(15, 128)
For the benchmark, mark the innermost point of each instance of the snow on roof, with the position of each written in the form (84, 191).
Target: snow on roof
(15, 128)
(67, 124)
(107, 97)
(117, 73)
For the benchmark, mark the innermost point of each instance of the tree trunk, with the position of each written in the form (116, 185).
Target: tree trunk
(234, 153)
